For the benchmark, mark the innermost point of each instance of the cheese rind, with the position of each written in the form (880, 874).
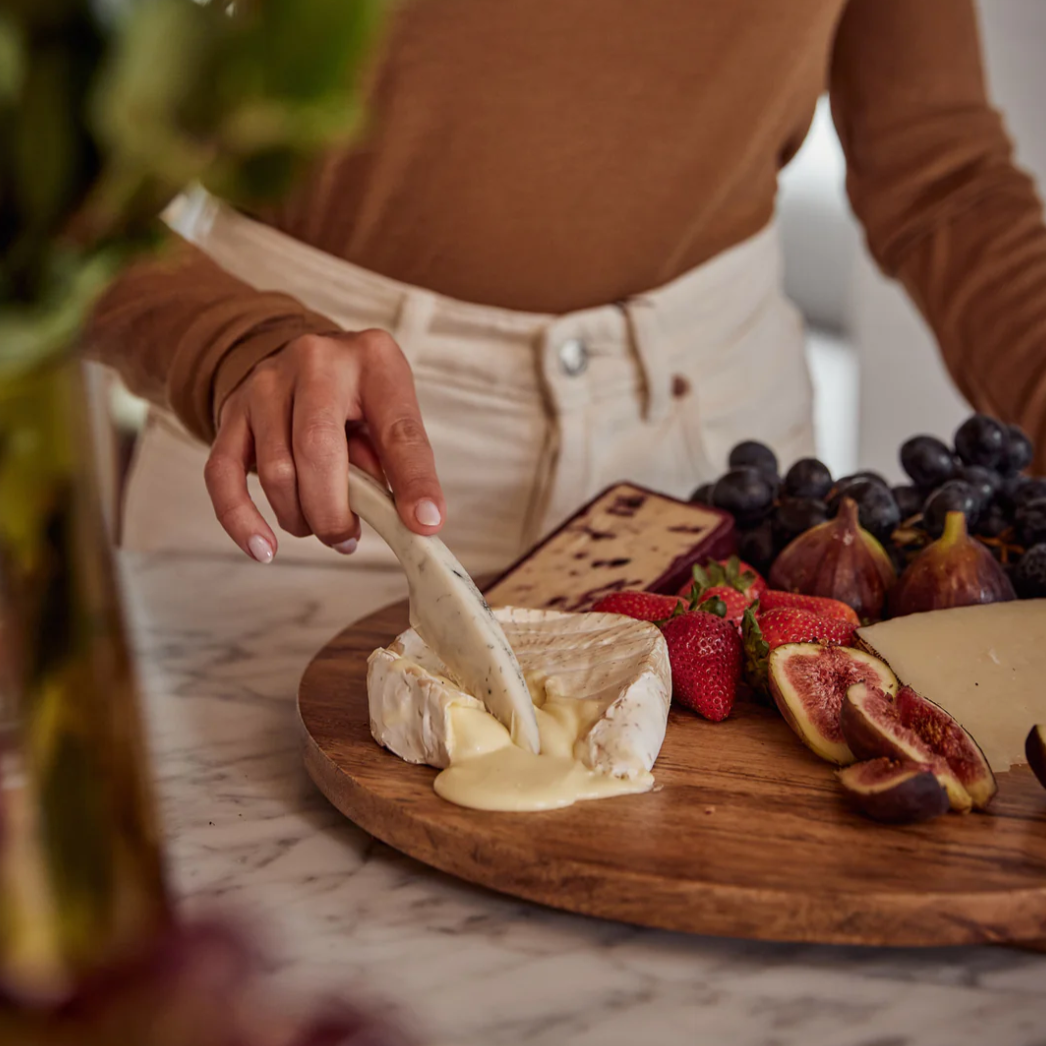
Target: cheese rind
(985, 665)
(628, 537)
(601, 687)
(620, 664)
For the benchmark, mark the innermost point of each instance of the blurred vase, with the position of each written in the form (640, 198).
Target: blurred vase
(81, 875)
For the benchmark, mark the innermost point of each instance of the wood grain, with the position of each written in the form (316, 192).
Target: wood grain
(747, 834)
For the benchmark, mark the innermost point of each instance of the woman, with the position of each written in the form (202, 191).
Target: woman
(552, 265)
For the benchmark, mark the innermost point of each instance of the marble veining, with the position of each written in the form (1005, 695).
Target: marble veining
(221, 647)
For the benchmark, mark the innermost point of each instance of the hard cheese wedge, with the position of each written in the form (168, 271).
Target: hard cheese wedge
(601, 687)
(628, 537)
(986, 665)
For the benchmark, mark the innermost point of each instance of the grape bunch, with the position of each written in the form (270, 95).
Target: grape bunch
(981, 475)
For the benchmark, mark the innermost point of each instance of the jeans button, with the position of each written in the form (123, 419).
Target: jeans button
(573, 357)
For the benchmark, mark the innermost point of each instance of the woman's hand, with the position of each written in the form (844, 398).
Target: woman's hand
(299, 417)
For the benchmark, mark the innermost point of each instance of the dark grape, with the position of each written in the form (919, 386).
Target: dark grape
(1030, 520)
(909, 500)
(992, 522)
(981, 440)
(842, 486)
(877, 510)
(876, 477)
(752, 454)
(985, 481)
(703, 494)
(1019, 451)
(795, 516)
(928, 461)
(1029, 577)
(954, 496)
(1009, 491)
(758, 546)
(745, 493)
(808, 478)
(1029, 490)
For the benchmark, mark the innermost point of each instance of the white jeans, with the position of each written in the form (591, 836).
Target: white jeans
(529, 415)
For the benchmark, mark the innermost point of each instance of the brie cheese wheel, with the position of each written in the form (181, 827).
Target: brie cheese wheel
(601, 688)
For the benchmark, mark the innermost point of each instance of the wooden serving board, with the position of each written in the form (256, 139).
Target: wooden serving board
(746, 835)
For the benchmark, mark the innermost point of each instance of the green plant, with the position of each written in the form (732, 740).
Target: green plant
(109, 108)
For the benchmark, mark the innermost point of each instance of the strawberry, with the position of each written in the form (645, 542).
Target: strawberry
(705, 654)
(772, 599)
(792, 625)
(734, 602)
(643, 606)
(732, 580)
(774, 628)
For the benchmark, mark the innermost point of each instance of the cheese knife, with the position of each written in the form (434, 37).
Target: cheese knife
(448, 611)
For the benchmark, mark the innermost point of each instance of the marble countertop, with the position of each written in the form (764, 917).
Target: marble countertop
(221, 647)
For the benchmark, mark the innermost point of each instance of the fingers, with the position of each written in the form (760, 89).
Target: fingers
(363, 455)
(270, 420)
(226, 478)
(321, 455)
(390, 405)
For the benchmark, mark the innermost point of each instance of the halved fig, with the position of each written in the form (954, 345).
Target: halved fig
(948, 739)
(808, 683)
(895, 792)
(907, 726)
(1035, 750)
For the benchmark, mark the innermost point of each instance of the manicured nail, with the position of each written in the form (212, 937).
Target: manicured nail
(347, 547)
(427, 513)
(260, 549)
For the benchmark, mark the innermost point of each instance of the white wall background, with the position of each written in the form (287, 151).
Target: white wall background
(876, 367)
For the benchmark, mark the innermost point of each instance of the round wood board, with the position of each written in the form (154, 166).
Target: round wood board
(746, 834)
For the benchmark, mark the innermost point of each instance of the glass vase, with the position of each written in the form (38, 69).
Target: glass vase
(81, 875)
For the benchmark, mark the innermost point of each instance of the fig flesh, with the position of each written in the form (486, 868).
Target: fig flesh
(908, 727)
(808, 683)
(894, 792)
(1035, 750)
(839, 560)
(955, 571)
(948, 739)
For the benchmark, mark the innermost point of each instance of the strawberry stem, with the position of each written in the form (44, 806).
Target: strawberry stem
(713, 606)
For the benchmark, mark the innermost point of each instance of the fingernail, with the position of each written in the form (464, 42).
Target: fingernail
(260, 549)
(347, 547)
(427, 513)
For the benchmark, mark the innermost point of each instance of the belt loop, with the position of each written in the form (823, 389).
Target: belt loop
(413, 319)
(647, 341)
(549, 459)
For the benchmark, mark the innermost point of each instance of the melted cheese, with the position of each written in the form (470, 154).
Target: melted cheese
(985, 665)
(601, 689)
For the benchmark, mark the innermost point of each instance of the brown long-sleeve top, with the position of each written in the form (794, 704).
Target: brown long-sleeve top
(550, 155)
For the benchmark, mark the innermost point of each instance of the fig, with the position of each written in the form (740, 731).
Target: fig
(948, 739)
(840, 560)
(1035, 750)
(954, 571)
(895, 792)
(808, 683)
(907, 726)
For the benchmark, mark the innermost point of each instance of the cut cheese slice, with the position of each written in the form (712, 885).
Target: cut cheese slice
(601, 688)
(985, 665)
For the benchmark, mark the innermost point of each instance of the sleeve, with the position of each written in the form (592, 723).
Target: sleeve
(183, 333)
(945, 210)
